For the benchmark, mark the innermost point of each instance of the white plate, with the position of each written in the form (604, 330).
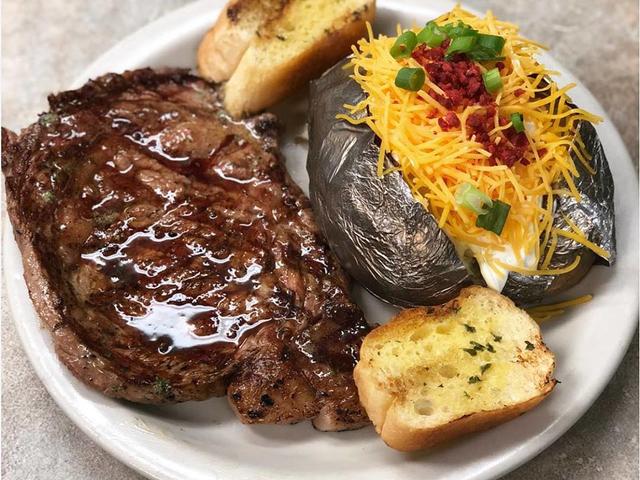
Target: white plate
(204, 441)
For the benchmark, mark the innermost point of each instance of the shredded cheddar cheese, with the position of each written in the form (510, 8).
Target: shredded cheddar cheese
(435, 161)
(543, 313)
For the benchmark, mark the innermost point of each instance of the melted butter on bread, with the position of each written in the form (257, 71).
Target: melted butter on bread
(435, 373)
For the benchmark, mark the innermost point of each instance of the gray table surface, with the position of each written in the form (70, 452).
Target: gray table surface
(46, 43)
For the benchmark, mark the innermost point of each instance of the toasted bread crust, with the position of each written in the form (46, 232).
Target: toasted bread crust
(224, 44)
(373, 397)
(379, 402)
(252, 87)
(400, 437)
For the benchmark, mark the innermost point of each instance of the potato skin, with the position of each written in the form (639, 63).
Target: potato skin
(392, 245)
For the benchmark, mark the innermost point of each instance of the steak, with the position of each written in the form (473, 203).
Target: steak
(172, 258)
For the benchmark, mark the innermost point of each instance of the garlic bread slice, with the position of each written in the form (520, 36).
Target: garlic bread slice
(288, 51)
(435, 373)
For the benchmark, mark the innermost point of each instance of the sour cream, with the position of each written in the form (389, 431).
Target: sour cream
(495, 276)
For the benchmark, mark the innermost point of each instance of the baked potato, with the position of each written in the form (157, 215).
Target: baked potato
(392, 245)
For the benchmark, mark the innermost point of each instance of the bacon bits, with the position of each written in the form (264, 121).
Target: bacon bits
(459, 78)
(461, 81)
(449, 122)
(509, 150)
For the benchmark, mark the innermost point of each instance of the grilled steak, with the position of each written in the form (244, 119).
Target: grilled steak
(172, 257)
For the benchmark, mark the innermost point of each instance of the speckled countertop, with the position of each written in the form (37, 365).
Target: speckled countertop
(47, 43)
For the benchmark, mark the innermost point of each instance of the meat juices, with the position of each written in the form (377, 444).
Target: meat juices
(173, 258)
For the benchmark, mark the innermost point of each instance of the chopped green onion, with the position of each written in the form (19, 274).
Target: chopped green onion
(480, 47)
(492, 81)
(404, 45)
(461, 45)
(483, 55)
(410, 78)
(460, 29)
(516, 121)
(432, 35)
(495, 218)
(470, 197)
(492, 43)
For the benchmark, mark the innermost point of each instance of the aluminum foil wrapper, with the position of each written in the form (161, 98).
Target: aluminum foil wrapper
(593, 215)
(391, 244)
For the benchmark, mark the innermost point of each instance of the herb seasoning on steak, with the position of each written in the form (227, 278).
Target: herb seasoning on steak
(172, 257)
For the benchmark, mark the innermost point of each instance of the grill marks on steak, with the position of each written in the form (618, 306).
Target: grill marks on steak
(173, 258)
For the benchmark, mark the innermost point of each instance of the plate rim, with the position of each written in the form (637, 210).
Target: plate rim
(150, 469)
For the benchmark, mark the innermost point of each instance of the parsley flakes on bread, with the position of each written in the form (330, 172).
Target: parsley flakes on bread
(435, 373)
